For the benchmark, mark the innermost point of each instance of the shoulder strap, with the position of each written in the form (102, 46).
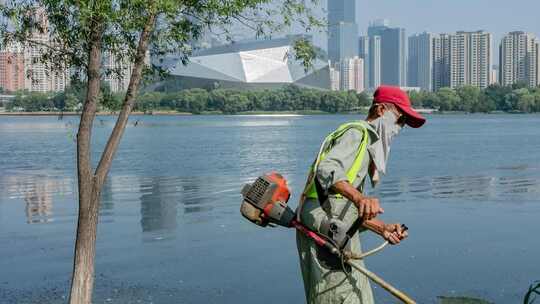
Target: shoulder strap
(313, 189)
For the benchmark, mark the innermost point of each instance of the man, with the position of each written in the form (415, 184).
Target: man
(334, 191)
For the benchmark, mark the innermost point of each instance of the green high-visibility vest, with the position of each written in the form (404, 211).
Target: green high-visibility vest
(329, 142)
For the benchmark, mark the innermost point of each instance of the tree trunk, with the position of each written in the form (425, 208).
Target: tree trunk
(85, 244)
(90, 184)
(133, 88)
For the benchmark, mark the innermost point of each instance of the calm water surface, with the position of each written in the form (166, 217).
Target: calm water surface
(170, 231)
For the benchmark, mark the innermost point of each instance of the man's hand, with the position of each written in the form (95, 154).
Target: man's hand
(368, 207)
(394, 233)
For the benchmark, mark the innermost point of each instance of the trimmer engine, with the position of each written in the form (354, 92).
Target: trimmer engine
(265, 201)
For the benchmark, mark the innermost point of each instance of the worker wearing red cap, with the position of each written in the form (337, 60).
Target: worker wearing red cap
(334, 190)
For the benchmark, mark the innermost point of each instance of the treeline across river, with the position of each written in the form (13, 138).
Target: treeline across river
(517, 98)
(197, 101)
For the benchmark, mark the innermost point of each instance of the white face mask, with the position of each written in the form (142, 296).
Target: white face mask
(387, 129)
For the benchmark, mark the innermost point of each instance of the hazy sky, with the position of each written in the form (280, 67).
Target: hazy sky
(495, 16)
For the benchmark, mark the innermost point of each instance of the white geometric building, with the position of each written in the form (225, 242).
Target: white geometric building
(260, 63)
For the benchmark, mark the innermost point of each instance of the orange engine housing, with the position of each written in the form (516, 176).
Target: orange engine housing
(265, 201)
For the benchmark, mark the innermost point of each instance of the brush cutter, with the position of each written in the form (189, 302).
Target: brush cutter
(265, 204)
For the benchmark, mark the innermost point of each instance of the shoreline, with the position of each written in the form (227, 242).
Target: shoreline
(159, 113)
(245, 113)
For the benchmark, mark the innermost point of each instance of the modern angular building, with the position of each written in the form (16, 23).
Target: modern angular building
(342, 30)
(518, 61)
(249, 64)
(420, 69)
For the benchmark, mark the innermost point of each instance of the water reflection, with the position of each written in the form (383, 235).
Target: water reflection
(106, 208)
(197, 195)
(480, 187)
(39, 204)
(159, 198)
(37, 192)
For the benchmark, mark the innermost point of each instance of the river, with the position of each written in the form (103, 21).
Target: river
(170, 231)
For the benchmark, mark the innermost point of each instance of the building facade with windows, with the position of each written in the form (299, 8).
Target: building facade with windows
(342, 30)
(352, 74)
(518, 61)
(421, 61)
(393, 53)
(12, 77)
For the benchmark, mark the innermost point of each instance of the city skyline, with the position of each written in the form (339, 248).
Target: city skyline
(418, 16)
(399, 54)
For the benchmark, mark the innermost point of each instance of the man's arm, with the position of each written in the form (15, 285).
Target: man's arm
(393, 233)
(332, 173)
(368, 207)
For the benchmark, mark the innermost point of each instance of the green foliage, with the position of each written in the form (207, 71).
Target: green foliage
(229, 101)
(32, 102)
(289, 98)
(71, 99)
(470, 99)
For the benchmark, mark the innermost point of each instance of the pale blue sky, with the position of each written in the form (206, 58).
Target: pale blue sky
(495, 16)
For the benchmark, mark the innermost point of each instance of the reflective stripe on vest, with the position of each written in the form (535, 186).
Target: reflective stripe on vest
(329, 142)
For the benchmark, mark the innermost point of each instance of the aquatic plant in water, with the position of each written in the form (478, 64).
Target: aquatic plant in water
(461, 300)
(532, 293)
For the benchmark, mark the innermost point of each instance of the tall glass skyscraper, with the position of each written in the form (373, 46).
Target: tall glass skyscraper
(393, 52)
(420, 69)
(342, 30)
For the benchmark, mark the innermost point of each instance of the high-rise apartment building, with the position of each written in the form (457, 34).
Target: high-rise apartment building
(352, 74)
(494, 74)
(421, 61)
(117, 72)
(334, 77)
(393, 52)
(441, 61)
(12, 69)
(463, 58)
(342, 30)
(470, 59)
(518, 61)
(41, 76)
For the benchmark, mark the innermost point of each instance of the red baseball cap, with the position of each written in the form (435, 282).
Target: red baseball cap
(397, 97)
